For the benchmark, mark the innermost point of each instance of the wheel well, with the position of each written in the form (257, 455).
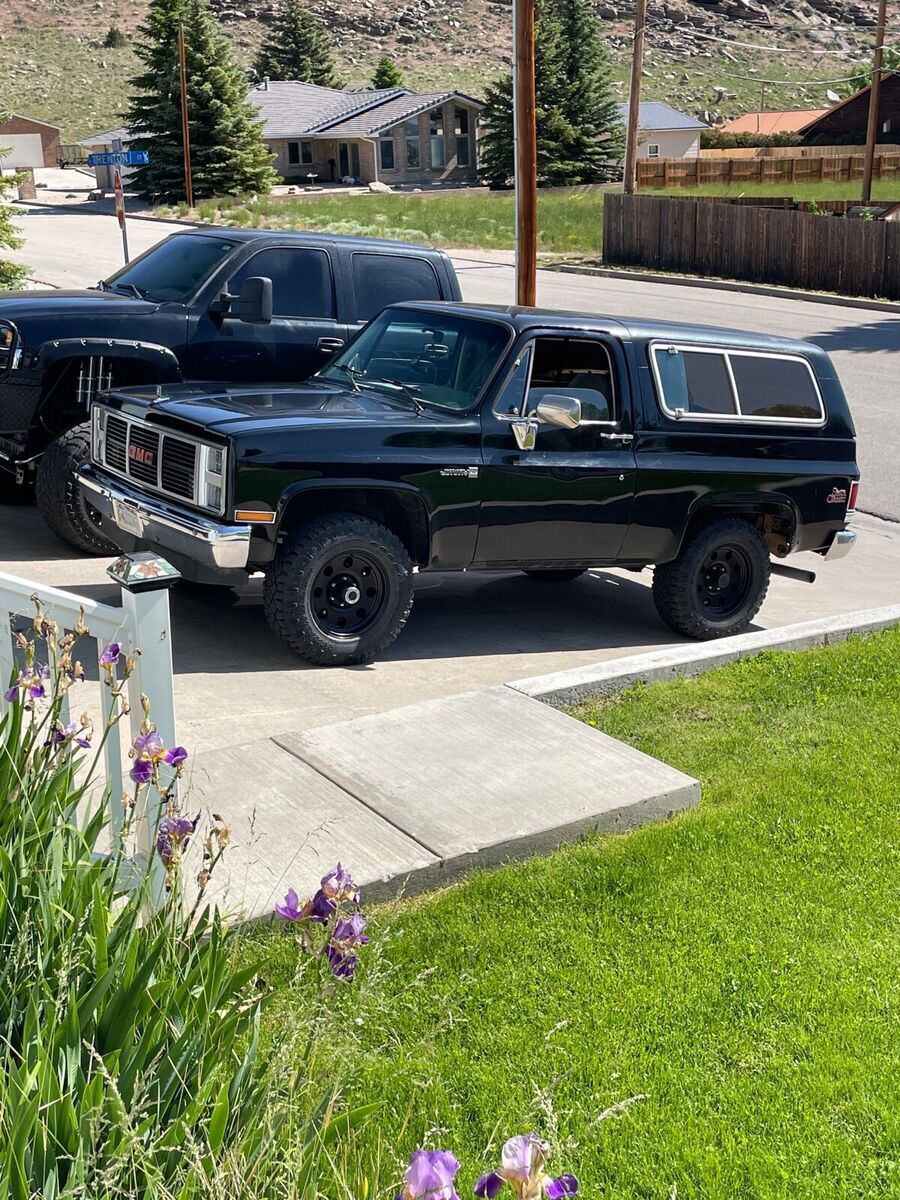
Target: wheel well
(60, 405)
(401, 512)
(776, 522)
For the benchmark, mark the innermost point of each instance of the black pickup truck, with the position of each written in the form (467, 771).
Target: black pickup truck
(208, 304)
(455, 437)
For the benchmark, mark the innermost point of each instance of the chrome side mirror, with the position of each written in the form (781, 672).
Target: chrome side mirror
(10, 348)
(525, 432)
(562, 411)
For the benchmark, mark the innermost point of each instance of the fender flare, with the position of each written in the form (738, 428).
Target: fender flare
(60, 349)
(736, 504)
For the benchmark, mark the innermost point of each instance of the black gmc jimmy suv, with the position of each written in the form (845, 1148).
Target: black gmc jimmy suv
(457, 437)
(246, 306)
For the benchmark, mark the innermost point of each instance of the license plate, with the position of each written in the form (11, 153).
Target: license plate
(128, 518)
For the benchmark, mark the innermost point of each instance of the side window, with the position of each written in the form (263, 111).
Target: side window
(511, 398)
(775, 387)
(695, 382)
(302, 284)
(383, 279)
(578, 367)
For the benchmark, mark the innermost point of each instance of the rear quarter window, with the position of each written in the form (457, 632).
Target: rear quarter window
(383, 279)
(732, 385)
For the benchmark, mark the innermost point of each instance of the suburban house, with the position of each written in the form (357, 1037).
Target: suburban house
(789, 120)
(847, 121)
(664, 132)
(29, 143)
(103, 143)
(390, 136)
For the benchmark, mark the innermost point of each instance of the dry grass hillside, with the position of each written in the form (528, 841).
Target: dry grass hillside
(54, 65)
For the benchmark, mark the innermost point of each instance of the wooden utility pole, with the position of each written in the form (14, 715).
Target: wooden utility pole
(634, 99)
(185, 129)
(525, 122)
(874, 97)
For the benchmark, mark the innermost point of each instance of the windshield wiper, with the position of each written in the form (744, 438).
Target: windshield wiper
(405, 388)
(352, 372)
(127, 287)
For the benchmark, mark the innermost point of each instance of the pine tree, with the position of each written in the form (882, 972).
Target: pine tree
(579, 127)
(298, 48)
(228, 154)
(11, 274)
(387, 74)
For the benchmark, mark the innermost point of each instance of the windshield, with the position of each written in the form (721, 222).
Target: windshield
(429, 358)
(172, 270)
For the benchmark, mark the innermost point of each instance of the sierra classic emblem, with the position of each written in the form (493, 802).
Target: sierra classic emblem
(140, 454)
(836, 496)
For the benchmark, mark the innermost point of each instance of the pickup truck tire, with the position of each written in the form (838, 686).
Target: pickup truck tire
(717, 584)
(555, 576)
(59, 497)
(340, 590)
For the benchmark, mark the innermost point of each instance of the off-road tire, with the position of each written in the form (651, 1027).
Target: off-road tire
(555, 576)
(60, 499)
(288, 593)
(679, 590)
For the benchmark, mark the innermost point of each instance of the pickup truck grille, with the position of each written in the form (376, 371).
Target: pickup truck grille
(167, 463)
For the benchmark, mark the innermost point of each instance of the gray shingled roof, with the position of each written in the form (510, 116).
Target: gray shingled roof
(656, 116)
(293, 109)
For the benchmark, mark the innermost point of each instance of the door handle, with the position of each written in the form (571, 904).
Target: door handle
(328, 345)
(618, 437)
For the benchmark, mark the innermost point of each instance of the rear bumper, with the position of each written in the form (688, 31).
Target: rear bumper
(202, 549)
(842, 543)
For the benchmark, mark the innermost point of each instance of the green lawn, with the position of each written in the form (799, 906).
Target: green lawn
(570, 222)
(738, 966)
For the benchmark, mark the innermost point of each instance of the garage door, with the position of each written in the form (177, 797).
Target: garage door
(22, 150)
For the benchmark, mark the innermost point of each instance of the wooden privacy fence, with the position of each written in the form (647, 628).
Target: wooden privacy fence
(796, 151)
(761, 245)
(695, 172)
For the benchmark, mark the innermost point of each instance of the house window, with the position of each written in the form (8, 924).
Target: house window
(413, 153)
(436, 133)
(463, 157)
(653, 150)
(300, 153)
(386, 152)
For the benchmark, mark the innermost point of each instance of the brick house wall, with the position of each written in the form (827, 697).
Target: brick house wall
(49, 135)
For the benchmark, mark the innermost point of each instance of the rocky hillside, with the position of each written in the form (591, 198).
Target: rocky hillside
(54, 65)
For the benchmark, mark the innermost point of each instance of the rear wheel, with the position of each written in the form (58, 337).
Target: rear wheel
(717, 584)
(555, 576)
(340, 590)
(61, 501)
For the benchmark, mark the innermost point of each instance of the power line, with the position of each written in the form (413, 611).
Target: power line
(711, 37)
(798, 83)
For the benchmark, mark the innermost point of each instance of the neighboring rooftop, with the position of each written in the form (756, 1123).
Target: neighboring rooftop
(655, 116)
(789, 120)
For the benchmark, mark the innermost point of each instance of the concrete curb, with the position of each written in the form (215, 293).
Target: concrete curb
(731, 285)
(602, 679)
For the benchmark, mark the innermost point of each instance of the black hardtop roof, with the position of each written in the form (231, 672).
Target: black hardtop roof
(307, 237)
(634, 328)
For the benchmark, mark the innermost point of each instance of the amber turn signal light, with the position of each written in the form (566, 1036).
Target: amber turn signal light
(254, 516)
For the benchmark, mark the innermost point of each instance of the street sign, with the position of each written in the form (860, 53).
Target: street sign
(119, 158)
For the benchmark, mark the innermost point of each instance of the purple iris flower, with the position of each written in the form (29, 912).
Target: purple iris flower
(320, 908)
(31, 680)
(350, 931)
(150, 744)
(523, 1161)
(12, 694)
(343, 966)
(338, 885)
(563, 1185)
(176, 756)
(111, 654)
(65, 733)
(430, 1174)
(291, 910)
(523, 1157)
(489, 1185)
(142, 770)
(174, 831)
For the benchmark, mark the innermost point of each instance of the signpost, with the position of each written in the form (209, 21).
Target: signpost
(117, 159)
(120, 209)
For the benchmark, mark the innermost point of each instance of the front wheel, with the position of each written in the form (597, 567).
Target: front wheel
(340, 590)
(717, 584)
(62, 503)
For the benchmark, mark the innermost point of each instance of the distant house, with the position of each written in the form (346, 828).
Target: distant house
(789, 120)
(664, 132)
(847, 121)
(390, 136)
(103, 143)
(28, 142)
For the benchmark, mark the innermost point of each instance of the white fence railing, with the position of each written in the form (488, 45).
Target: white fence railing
(141, 625)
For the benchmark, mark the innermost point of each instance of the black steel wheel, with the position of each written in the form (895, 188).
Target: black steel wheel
(555, 576)
(717, 584)
(340, 590)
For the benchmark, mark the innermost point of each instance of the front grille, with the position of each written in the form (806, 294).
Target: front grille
(165, 462)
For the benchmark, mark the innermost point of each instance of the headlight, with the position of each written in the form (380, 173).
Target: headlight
(212, 477)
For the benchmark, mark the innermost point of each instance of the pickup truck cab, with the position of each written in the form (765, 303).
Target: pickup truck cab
(213, 304)
(456, 437)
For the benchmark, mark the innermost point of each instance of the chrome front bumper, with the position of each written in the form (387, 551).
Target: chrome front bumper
(842, 543)
(133, 518)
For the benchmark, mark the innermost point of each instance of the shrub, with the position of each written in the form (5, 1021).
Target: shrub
(115, 39)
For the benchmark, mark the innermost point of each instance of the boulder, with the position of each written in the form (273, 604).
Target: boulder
(377, 186)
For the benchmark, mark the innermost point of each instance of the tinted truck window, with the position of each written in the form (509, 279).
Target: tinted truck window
(302, 284)
(174, 269)
(695, 382)
(775, 387)
(383, 279)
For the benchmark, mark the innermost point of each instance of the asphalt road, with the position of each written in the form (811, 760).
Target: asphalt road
(69, 247)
